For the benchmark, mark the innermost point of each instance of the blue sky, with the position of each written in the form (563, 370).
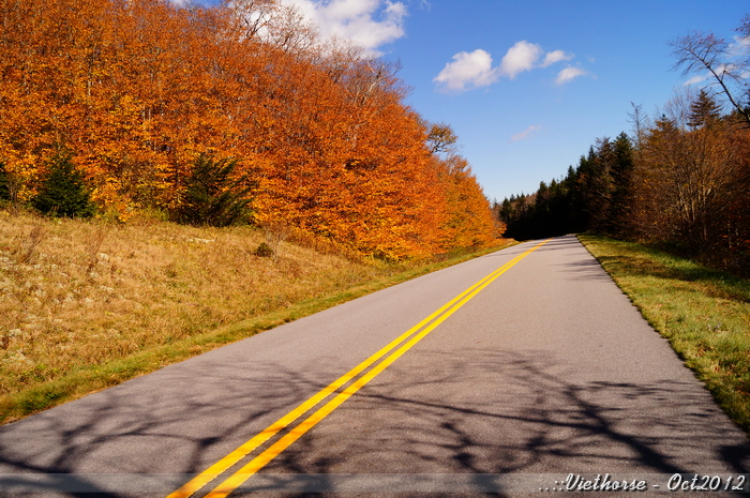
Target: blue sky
(528, 86)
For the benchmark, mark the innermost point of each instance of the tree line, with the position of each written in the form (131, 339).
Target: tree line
(238, 107)
(681, 182)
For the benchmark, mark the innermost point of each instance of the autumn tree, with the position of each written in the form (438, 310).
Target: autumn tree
(442, 139)
(470, 220)
(688, 168)
(141, 90)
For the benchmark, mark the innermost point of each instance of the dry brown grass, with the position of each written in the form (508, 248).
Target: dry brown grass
(75, 293)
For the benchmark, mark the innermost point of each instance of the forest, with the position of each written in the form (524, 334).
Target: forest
(231, 114)
(680, 182)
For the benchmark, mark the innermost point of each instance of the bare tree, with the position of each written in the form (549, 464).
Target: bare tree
(640, 123)
(726, 63)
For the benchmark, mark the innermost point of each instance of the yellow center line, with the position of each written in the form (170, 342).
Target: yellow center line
(265, 457)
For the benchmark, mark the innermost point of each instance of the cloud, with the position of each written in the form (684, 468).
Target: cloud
(467, 69)
(697, 79)
(556, 56)
(474, 69)
(525, 133)
(522, 56)
(740, 47)
(568, 74)
(721, 70)
(367, 23)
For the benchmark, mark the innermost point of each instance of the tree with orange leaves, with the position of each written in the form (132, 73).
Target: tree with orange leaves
(138, 91)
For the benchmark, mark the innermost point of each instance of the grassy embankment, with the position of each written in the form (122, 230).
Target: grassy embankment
(704, 313)
(87, 305)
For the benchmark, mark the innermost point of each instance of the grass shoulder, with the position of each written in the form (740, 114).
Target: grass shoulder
(86, 305)
(703, 312)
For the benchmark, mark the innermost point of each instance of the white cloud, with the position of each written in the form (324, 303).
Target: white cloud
(556, 56)
(568, 74)
(522, 56)
(721, 70)
(740, 47)
(467, 69)
(697, 79)
(474, 69)
(367, 23)
(525, 133)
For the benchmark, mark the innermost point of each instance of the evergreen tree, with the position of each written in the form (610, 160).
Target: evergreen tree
(4, 184)
(63, 191)
(595, 196)
(704, 110)
(598, 193)
(213, 197)
(506, 210)
(621, 203)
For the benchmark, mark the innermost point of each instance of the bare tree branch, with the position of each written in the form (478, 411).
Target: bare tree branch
(700, 52)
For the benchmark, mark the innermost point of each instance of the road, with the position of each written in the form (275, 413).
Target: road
(544, 371)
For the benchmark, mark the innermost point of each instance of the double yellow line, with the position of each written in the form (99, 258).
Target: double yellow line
(247, 471)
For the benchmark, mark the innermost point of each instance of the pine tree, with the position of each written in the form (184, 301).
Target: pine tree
(4, 184)
(63, 191)
(704, 110)
(507, 211)
(213, 197)
(622, 193)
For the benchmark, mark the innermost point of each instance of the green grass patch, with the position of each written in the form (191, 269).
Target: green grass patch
(704, 313)
(78, 382)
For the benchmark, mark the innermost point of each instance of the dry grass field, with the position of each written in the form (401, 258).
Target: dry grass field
(79, 295)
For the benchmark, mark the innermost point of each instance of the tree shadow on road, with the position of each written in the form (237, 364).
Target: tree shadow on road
(471, 412)
(540, 421)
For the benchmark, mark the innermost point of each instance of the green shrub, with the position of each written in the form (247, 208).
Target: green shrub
(63, 191)
(214, 196)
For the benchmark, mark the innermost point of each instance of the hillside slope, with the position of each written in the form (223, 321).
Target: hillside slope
(87, 304)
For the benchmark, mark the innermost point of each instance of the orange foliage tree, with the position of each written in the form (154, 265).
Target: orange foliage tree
(139, 89)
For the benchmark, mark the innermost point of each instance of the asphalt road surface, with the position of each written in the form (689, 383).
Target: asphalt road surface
(542, 378)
